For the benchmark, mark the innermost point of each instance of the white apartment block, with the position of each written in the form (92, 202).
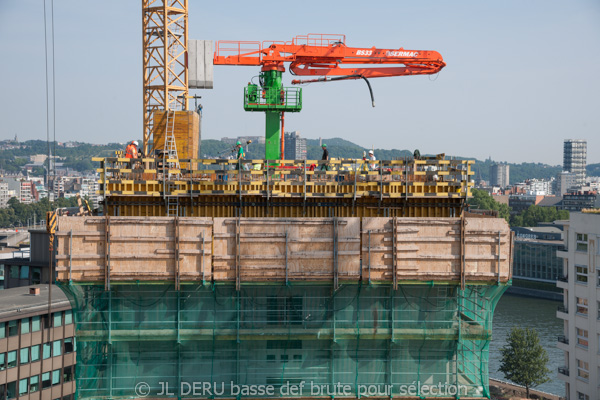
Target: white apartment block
(581, 309)
(4, 196)
(89, 187)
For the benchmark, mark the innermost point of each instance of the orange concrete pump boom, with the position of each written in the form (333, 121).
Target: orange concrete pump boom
(322, 55)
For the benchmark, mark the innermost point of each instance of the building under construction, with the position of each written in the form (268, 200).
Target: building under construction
(277, 278)
(371, 281)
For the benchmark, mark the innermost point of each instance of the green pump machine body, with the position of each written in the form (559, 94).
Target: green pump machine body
(272, 98)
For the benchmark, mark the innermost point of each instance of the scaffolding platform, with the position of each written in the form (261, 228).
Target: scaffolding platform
(286, 188)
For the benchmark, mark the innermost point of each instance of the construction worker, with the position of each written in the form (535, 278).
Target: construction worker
(325, 157)
(373, 166)
(131, 151)
(240, 153)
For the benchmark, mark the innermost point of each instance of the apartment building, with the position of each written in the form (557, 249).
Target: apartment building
(499, 175)
(581, 309)
(37, 347)
(575, 158)
(4, 196)
(295, 146)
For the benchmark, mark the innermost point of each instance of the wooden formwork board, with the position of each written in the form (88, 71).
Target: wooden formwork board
(430, 249)
(140, 248)
(250, 249)
(243, 250)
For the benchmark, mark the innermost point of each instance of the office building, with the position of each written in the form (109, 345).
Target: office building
(535, 256)
(295, 146)
(499, 175)
(565, 182)
(581, 309)
(574, 159)
(37, 348)
(32, 270)
(578, 201)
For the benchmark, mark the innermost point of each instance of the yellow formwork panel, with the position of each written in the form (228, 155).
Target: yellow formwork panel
(258, 206)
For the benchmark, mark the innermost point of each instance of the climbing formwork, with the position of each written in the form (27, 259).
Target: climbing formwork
(255, 286)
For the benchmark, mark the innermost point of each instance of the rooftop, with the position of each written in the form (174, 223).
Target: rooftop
(18, 301)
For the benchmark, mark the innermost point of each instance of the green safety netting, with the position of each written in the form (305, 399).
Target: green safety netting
(304, 340)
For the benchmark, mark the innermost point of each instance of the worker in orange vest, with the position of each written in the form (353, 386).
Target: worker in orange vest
(132, 149)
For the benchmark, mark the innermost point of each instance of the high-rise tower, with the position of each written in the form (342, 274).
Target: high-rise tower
(574, 159)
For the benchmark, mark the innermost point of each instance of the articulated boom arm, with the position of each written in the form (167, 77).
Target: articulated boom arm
(328, 56)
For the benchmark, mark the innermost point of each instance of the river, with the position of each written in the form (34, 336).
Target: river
(534, 313)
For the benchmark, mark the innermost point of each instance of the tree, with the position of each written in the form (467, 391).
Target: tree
(524, 360)
(536, 214)
(483, 201)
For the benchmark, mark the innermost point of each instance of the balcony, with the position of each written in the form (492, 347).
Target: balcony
(563, 279)
(562, 309)
(563, 371)
(563, 339)
(562, 251)
(562, 312)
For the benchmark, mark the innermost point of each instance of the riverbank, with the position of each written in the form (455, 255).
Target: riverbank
(502, 390)
(535, 289)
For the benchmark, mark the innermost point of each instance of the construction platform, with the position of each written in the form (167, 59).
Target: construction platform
(284, 188)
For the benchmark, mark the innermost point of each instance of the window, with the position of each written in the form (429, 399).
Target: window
(2, 330)
(24, 356)
(2, 361)
(68, 397)
(58, 319)
(68, 345)
(68, 317)
(34, 383)
(13, 328)
(14, 272)
(55, 377)
(582, 396)
(583, 370)
(46, 351)
(36, 276)
(35, 323)
(24, 273)
(24, 326)
(23, 386)
(56, 348)
(11, 390)
(598, 277)
(35, 353)
(582, 241)
(11, 359)
(582, 337)
(68, 374)
(582, 306)
(581, 273)
(46, 380)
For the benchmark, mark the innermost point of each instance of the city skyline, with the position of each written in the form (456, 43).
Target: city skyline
(498, 96)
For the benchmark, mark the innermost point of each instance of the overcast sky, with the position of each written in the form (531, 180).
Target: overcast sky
(521, 77)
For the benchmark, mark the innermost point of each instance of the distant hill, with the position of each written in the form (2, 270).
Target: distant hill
(593, 169)
(79, 157)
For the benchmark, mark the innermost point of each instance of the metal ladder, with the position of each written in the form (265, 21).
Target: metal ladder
(170, 153)
(170, 147)
(172, 205)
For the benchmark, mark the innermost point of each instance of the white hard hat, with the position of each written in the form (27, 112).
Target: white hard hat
(370, 151)
(136, 143)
